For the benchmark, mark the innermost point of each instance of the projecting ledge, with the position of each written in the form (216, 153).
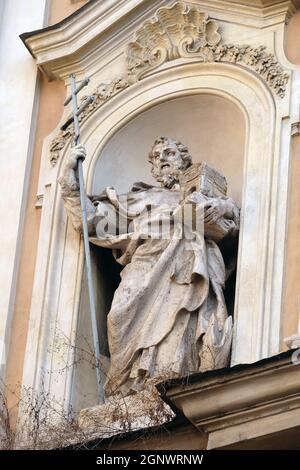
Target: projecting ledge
(249, 406)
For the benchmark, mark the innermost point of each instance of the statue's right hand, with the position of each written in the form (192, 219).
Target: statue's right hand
(77, 152)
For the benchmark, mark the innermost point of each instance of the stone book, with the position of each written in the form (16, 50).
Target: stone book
(201, 184)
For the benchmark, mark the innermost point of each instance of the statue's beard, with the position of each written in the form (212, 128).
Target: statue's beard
(168, 178)
(168, 181)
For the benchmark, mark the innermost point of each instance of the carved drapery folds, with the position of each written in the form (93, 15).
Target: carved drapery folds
(179, 31)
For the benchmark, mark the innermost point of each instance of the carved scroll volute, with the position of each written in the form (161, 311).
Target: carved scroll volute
(200, 32)
(185, 31)
(174, 32)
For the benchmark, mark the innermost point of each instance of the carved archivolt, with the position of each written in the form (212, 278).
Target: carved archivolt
(180, 31)
(102, 93)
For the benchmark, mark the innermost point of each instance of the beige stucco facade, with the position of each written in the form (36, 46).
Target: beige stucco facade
(225, 112)
(49, 110)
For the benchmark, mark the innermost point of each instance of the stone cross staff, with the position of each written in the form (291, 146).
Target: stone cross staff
(75, 118)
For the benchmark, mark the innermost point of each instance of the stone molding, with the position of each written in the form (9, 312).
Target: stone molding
(74, 43)
(242, 403)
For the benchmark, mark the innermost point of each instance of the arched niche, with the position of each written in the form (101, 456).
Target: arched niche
(58, 286)
(214, 129)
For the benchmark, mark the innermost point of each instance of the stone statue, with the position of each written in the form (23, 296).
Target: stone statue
(168, 317)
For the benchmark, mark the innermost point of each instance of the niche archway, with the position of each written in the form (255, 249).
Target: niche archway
(214, 129)
(58, 285)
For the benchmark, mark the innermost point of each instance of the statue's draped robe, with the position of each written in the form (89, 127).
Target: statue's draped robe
(168, 317)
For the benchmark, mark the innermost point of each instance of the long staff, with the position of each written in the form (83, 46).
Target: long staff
(76, 113)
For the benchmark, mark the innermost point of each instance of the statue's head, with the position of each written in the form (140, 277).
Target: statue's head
(168, 158)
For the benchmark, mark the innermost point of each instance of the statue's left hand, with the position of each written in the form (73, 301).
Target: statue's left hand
(77, 153)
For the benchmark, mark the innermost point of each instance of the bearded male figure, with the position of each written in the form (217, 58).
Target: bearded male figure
(168, 317)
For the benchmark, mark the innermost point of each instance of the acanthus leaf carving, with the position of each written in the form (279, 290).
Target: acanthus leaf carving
(258, 59)
(168, 35)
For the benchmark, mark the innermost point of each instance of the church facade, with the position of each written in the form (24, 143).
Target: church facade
(221, 80)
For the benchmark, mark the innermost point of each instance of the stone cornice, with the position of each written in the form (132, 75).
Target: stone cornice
(75, 37)
(70, 41)
(240, 401)
(77, 30)
(275, 5)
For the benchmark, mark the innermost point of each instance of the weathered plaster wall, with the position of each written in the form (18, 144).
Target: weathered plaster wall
(50, 108)
(18, 99)
(291, 303)
(291, 307)
(52, 95)
(60, 9)
(292, 39)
